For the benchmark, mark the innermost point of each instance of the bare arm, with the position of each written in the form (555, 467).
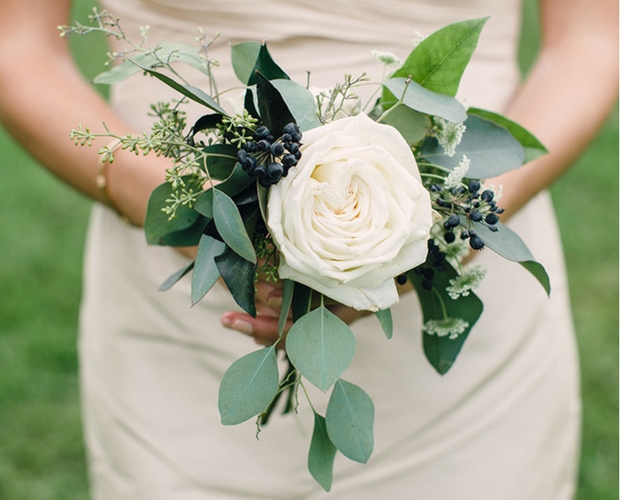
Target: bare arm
(568, 94)
(43, 97)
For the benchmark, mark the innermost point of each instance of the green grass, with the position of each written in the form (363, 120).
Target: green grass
(41, 242)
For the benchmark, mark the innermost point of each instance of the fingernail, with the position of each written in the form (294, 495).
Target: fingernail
(243, 326)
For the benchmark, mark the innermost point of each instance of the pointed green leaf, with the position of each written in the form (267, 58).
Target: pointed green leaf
(426, 101)
(300, 102)
(439, 61)
(443, 351)
(349, 420)
(321, 346)
(533, 147)
(236, 182)
(508, 244)
(302, 301)
(206, 272)
(288, 287)
(321, 455)
(274, 112)
(248, 386)
(187, 237)
(230, 226)
(244, 56)
(189, 91)
(238, 274)
(491, 148)
(411, 124)
(385, 320)
(267, 67)
(167, 285)
(157, 223)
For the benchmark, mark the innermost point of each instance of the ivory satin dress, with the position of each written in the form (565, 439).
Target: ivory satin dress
(502, 424)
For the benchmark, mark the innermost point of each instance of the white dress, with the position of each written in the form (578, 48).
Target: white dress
(502, 424)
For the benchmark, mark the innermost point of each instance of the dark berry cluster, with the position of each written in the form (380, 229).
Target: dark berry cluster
(269, 159)
(434, 263)
(469, 204)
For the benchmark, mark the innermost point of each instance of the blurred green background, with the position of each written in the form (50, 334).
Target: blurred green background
(41, 242)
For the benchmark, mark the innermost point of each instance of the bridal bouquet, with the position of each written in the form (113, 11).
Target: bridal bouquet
(340, 200)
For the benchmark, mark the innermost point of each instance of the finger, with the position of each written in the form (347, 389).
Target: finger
(264, 329)
(268, 294)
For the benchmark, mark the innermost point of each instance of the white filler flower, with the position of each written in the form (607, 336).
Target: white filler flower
(353, 214)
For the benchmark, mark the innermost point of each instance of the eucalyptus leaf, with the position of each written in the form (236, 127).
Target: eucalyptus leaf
(158, 224)
(173, 279)
(230, 226)
(411, 124)
(443, 351)
(206, 272)
(491, 148)
(322, 453)
(439, 61)
(418, 98)
(238, 274)
(248, 386)
(187, 237)
(508, 244)
(533, 147)
(236, 182)
(165, 51)
(385, 320)
(300, 102)
(219, 160)
(321, 346)
(349, 420)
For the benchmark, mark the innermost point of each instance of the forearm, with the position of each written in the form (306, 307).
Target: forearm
(564, 101)
(43, 97)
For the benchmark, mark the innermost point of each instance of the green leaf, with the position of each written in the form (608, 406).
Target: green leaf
(443, 351)
(244, 56)
(426, 101)
(533, 147)
(233, 185)
(189, 91)
(248, 386)
(219, 160)
(263, 197)
(385, 320)
(206, 272)
(267, 67)
(302, 301)
(508, 244)
(238, 274)
(300, 102)
(157, 224)
(167, 285)
(349, 419)
(322, 453)
(230, 226)
(273, 110)
(321, 346)
(288, 287)
(411, 124)
(187, 237)
(491, 148)
(439, 61)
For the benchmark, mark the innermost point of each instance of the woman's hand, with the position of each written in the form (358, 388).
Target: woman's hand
(264, 328)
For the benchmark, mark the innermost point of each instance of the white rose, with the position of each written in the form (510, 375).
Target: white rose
(352, 215)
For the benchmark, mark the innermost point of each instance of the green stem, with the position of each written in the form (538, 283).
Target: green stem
(441, 303)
